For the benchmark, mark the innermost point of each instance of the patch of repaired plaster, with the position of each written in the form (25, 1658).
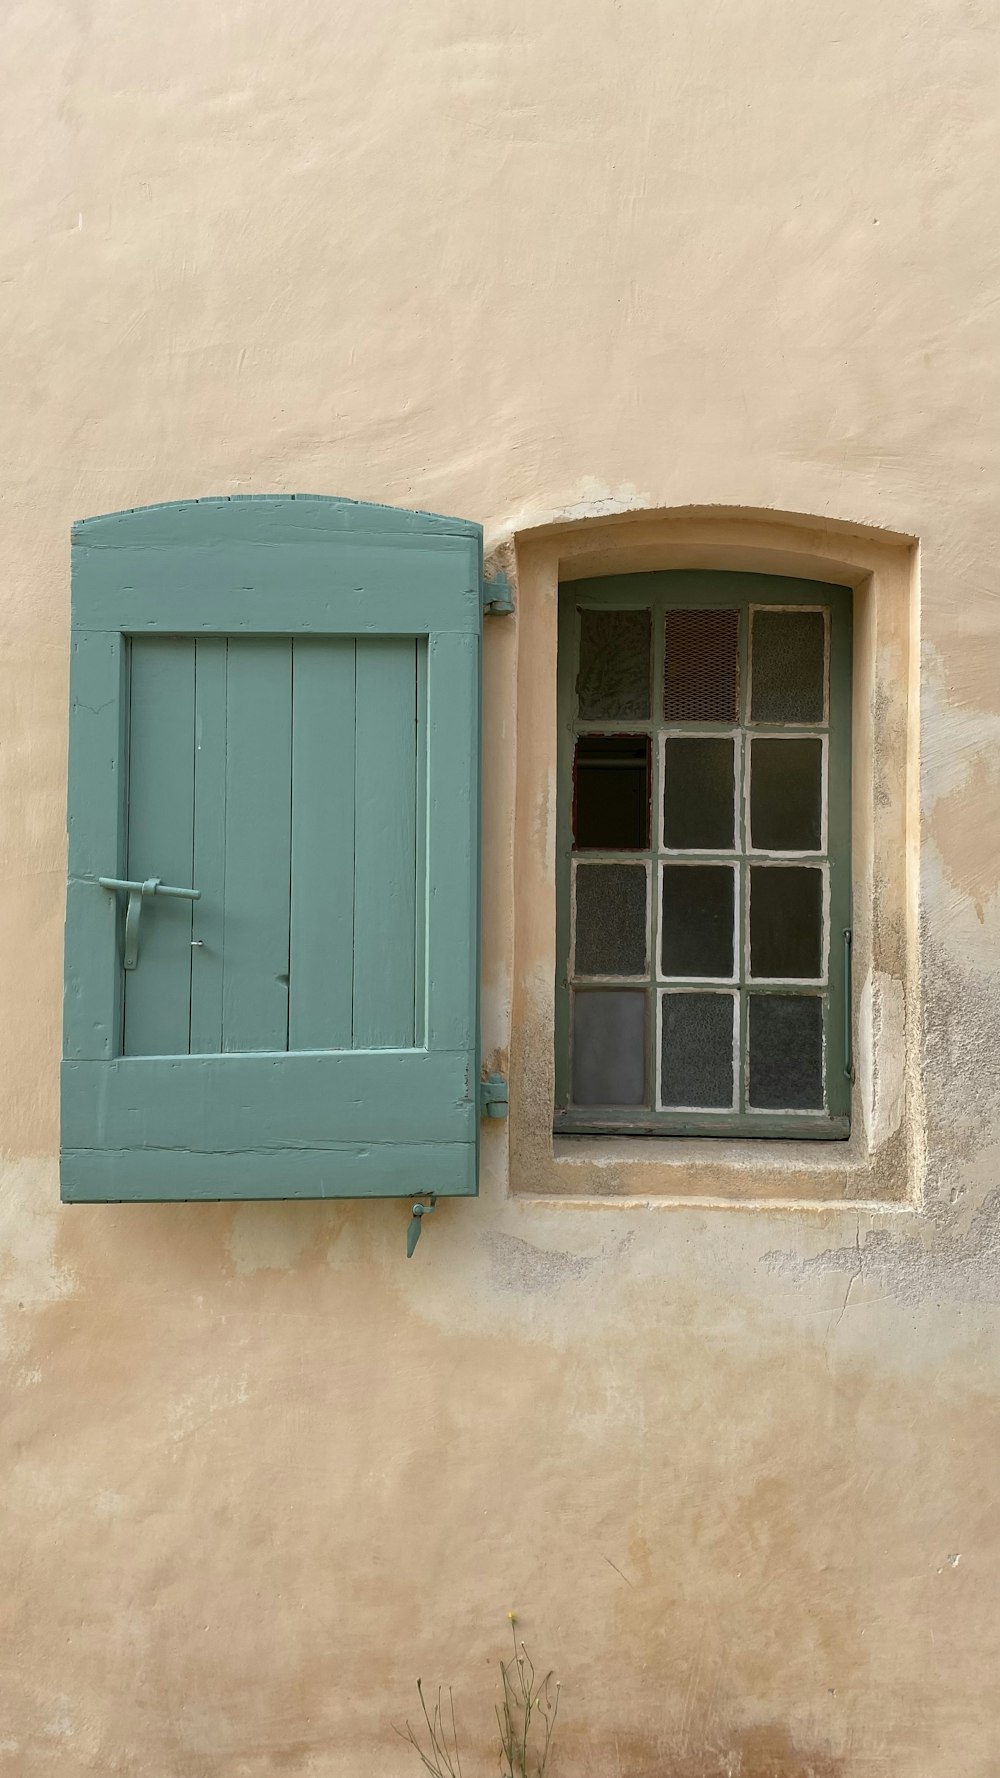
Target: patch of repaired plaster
(961, 1017)
(961, 1264)
(960, 784)
(966, 832)
(593, 499)
(882, 1055)
(270, 1237)
(518, 1265)
(216, 1393)
(30, 1277)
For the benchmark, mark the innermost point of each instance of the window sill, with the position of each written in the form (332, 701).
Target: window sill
(794, 1127)
(714, 1170)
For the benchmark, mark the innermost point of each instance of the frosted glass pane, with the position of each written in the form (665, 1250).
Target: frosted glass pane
(701, 666)
(787, 666)
(699, 792)
(609, 1047)
(698, 909)
(696, 1050)
(615, 658)
(786, 790)
(786, 920)
(611, 793)
(785, 1036)
(611, 919)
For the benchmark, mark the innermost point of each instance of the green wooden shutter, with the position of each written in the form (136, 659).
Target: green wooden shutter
(274, 702)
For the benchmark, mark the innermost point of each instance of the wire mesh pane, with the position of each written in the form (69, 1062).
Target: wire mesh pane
(785, 1034)
(609, 1047)
(699, 805)
(697, 1051)
(701, 666)
(611, 919)
(787, 666)
(615, 656)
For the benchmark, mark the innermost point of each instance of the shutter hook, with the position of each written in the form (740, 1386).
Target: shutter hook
(138, 894)
(413, 1232)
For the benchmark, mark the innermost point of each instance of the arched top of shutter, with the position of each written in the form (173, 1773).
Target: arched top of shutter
(264, 518)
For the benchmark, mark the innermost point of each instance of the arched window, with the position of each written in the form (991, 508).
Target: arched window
(704, 857)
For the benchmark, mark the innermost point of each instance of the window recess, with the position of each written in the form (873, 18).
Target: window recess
(704, 894)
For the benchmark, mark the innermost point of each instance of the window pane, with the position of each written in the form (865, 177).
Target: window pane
(786, 1052)
(610, 919)
(611, 801)
(698, 792)
(696, 1050)
(609, 1047)
(615, 655)
(787, 666)
(786, 920)
(786, 790)
(698, 904)
(701, 666)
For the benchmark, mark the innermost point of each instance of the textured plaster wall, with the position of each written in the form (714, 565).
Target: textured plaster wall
(734, 1467)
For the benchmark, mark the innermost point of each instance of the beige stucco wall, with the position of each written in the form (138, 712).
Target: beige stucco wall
(734, 1466)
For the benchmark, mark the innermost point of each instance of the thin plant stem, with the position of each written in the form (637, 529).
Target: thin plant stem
(525, 1714)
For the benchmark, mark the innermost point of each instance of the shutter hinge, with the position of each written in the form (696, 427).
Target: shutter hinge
(493, 1096)
(498, 595)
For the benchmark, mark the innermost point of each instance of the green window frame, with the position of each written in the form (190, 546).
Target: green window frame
(718, 935)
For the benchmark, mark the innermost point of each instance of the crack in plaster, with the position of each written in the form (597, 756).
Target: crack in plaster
(963, 1265)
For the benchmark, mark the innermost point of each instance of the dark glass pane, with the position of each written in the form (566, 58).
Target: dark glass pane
(787, 666)
(698, 919)
(615, 654)
(785, 1038)
(611, 793)
(610, 919)
(696, 1050)
(609, 1047)
(786, 792)
(701, 666)
(698, 792)
(786, 920)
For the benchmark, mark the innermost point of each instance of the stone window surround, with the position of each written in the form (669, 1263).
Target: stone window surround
(881, 1162)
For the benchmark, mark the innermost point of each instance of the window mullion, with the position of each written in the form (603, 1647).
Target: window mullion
(656, 845)
(743, 837)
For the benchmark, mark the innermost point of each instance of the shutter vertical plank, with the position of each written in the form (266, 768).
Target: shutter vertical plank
(160, 842)
(420, 859)
(95, 825)
(385, 843)
(321, 968)
(258, 839)
(209, 914)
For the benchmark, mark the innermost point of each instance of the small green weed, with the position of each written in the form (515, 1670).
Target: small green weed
(526, 1714)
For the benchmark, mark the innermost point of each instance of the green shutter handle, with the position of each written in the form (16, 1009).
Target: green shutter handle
(137, 893)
